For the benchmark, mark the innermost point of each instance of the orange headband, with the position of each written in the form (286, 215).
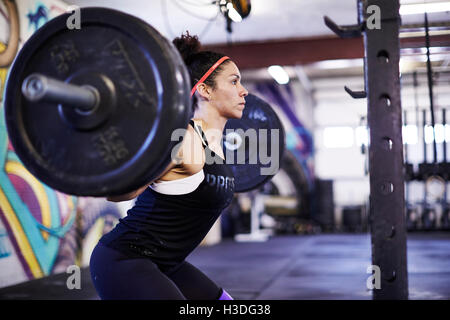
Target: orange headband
(206, 75)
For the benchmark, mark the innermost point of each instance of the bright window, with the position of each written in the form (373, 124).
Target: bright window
(362, 136)
(409, 134)
(338, 137)
(439, 131)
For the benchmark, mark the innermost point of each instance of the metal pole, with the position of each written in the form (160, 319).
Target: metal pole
(430, 86)
(424, 123)
(416, 99)
(405, 144)
(387, 196)
(444, 143)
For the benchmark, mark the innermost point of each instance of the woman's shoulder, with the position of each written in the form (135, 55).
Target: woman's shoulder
(191, 154)
(200, 123)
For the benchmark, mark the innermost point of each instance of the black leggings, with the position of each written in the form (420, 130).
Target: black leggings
(118, 277)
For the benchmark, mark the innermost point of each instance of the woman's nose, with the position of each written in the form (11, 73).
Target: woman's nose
(244, 92)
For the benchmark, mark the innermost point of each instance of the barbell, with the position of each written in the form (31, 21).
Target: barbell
(91, 112)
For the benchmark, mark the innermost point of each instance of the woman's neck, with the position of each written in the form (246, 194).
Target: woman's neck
(211, 120)
(212, 124)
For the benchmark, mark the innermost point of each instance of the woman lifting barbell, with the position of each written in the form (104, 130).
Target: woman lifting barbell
(143, 257)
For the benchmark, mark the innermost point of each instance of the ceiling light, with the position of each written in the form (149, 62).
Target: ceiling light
(279, 74)
(232, 13)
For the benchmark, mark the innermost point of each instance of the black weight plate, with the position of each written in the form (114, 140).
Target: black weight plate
(243, 148)
(132, 145)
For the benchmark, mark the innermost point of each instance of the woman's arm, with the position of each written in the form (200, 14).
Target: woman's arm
(134, 194)
(127, 196)
(190, 150)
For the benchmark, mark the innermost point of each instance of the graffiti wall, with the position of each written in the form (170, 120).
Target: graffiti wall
(42, 231)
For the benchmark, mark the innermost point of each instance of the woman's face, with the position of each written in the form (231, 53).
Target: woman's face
(228, 96)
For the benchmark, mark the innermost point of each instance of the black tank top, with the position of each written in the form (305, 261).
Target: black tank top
(167, 228)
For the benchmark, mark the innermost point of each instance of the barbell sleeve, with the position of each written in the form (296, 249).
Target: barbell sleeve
(37, 87)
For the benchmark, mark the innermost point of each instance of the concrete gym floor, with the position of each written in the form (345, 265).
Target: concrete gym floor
(319, 267)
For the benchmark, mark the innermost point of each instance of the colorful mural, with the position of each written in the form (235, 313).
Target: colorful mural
(42, 231)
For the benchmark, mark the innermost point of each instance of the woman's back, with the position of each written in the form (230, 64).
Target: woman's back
(165, 225)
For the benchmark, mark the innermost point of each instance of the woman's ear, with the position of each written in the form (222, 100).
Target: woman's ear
(204, 91)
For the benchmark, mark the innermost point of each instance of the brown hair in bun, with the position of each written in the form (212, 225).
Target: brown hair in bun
(197, 62)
